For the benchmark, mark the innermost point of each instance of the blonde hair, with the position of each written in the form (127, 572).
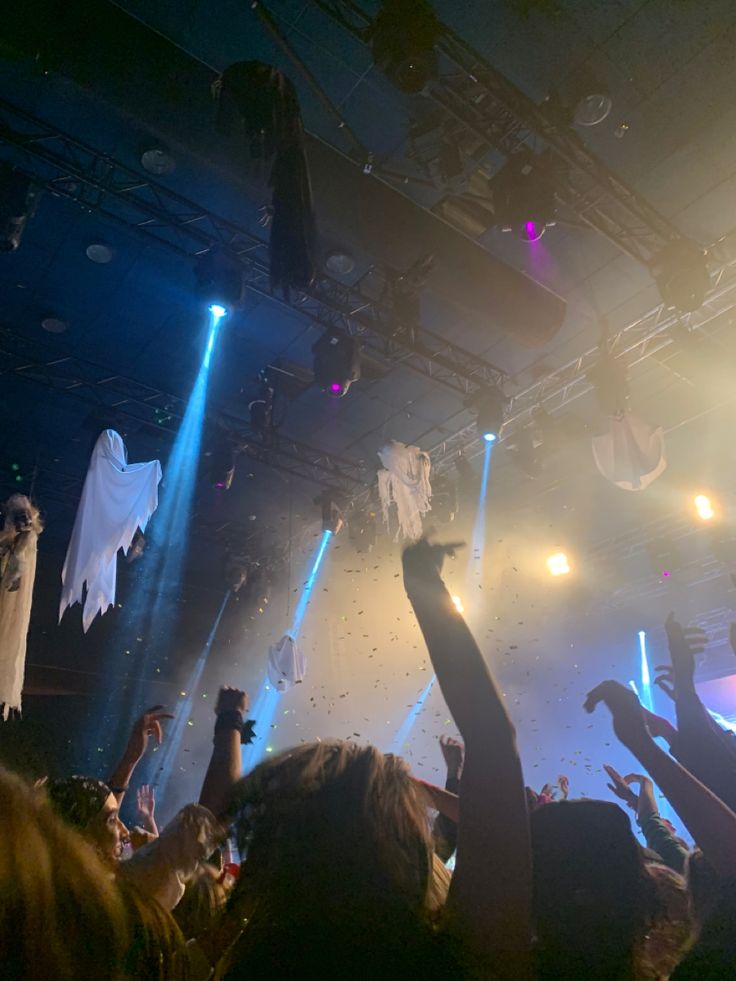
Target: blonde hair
(61, 915)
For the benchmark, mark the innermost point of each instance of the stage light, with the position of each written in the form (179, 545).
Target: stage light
(336, 362)
(523, 196)
(339, 262)
(489, 404)
(99, 253)
(332, 516)
(220, 282)
(558, 564)
(18, 201)
(458, 604)
(403, 36)
(704, 508)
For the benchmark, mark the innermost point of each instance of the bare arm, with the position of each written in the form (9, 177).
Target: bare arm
(149, 724)
(490, 894)
(711, 824)
(225, 766)
(441, 800)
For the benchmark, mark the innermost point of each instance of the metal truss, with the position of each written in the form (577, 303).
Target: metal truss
(162, 412)
(501, 118)
(644, 337)
(71, 169)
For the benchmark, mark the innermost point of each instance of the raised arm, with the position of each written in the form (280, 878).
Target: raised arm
(225, 766)
(710, 822)
(147, 725)
(490, 895)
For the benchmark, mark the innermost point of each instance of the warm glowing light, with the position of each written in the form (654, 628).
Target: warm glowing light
(217, 310)
(558, 564)
(704, 507)
(458, 604)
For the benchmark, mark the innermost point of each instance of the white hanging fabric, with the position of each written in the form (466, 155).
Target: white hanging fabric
(18, 549)
(286, 663)
(631, 454)
(117, 499)
(405, 483)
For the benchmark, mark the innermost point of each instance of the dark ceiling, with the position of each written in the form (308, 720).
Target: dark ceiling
(671, 71)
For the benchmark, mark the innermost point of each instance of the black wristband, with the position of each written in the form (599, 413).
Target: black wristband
(233, 719)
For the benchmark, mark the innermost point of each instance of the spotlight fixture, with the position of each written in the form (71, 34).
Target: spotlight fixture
(332, 514)
(704, 507)
(489, 403)
(222, 465)
(558, 564)
(458, 604)
(220, 282)
(18, 202)
(158, 161)
(523, 196)
(336, 362)
(403, 36)
(681, 273)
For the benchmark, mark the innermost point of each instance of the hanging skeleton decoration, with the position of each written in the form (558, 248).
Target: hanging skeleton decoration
(405, 483)
(118, 498)
(258, 105)
(631, 452)
(18, 539)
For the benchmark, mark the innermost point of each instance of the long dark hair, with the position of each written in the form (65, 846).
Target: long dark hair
(593, 900)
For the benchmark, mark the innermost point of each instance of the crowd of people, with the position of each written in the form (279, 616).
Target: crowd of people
(330, 860)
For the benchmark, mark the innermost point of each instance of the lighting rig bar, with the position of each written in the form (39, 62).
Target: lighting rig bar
(642, 338)
(71, 169)
(497, 113)
(162, 411)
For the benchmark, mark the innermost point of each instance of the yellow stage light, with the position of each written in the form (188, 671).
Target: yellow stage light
(704, 508)
(558, 564)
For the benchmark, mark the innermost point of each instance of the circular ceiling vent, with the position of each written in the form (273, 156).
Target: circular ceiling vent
(100, 253)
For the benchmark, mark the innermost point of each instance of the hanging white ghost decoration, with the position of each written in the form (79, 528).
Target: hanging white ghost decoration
(286, 663)
(405, 483)
(631, 454)
(117, 499)
(18, 538)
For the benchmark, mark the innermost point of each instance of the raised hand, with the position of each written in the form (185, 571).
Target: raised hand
(231, 700)
(684, 644)
(620, 787)
(563, 783)
(146, 801)
(628, 718)
(149, 724)
(453, 752)
(665, 680)
(423, 562)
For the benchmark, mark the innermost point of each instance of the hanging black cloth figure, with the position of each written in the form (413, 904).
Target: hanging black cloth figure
(258, 104)
(631, 452)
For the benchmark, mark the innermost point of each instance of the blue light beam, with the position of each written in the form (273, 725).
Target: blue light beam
(646, 678)
(183, 713)
(150, 612)
(407, 725)
(267, 700)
